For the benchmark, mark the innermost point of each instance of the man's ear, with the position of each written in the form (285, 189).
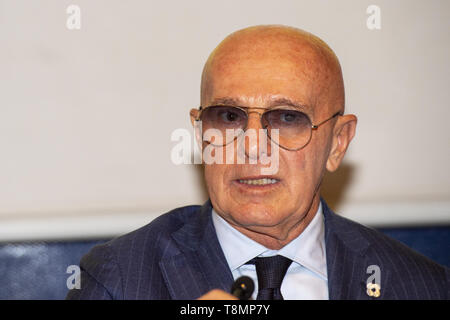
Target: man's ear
(344, 132)
(197, 127)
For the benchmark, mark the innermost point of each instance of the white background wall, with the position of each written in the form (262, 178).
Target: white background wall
(84, 137)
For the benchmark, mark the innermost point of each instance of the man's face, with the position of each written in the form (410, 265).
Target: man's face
(246, 76)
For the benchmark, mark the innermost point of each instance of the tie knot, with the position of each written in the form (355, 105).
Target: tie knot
(271, 271)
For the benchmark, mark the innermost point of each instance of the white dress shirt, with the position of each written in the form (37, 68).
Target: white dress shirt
(306, 278)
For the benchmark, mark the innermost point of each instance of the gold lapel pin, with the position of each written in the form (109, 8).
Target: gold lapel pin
(373, 290)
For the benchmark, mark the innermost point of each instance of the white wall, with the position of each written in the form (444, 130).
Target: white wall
(84, 150)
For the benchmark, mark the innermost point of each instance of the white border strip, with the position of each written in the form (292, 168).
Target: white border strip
(73, 227)
(84, 226)
(391, 214)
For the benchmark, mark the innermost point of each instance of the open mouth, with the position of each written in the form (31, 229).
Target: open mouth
(258, 181)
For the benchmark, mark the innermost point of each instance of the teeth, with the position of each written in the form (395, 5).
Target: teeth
(259, 182)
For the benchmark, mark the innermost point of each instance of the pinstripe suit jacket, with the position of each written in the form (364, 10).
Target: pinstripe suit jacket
(178, 256)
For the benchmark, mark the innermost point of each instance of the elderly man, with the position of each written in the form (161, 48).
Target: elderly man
(273, 227)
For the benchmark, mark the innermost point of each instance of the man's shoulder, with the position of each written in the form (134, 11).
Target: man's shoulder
(159, 229)
(152, 240)
(404, 264)
(379, 242)
(111, 269)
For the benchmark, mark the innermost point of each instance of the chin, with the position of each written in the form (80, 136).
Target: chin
(251, 214)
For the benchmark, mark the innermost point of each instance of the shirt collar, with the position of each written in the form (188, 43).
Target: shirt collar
(307, 250)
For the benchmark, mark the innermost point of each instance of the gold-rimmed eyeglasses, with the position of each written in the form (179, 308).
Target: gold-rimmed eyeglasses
(294, 127)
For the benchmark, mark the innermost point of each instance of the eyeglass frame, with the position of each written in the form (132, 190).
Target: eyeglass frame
(314, 127)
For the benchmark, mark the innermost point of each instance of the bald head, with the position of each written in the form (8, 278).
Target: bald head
(264, 55)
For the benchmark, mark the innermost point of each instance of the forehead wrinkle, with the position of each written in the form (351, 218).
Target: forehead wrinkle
(270, 102)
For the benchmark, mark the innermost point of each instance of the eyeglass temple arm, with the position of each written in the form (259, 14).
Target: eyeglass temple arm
(316, 126)
(198, 116)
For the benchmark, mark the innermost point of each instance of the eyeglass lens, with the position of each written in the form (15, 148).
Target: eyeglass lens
(294, 127)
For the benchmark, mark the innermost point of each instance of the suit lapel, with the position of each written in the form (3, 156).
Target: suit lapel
(346, 260)
(197, 265)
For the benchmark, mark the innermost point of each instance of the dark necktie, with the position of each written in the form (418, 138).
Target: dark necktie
(270, 272)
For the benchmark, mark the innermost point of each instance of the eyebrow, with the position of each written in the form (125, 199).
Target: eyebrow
(228, 101)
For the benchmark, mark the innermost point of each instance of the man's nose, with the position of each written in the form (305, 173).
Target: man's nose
(256, 140)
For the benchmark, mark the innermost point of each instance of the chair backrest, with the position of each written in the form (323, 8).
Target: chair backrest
(38, 270)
